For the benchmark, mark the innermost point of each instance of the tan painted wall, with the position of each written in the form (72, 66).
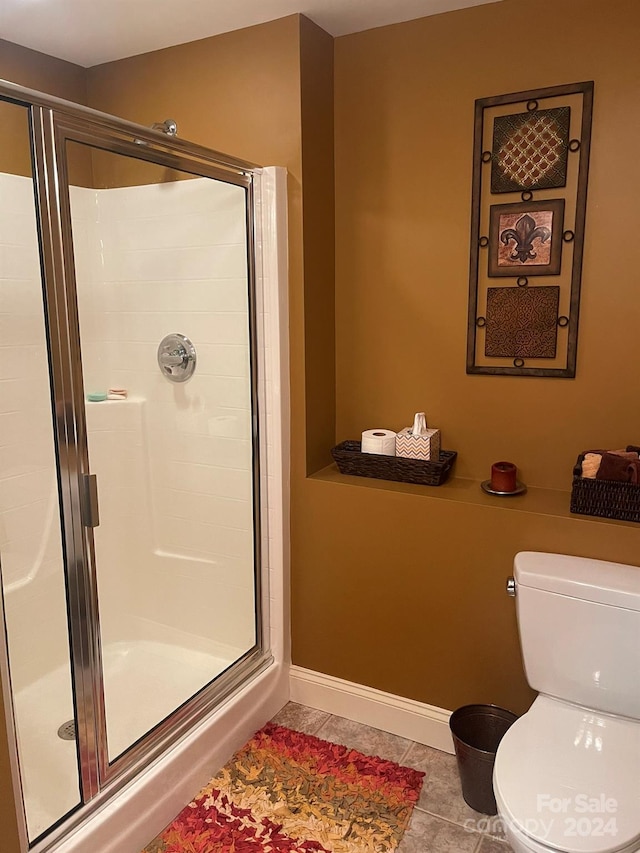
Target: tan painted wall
(37, 71)
(237, 92)
(316, 89)
(404, 133)
(42, 72)
(15, 151)
(405, 592)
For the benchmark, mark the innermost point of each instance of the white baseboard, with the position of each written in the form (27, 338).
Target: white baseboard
(404, 717)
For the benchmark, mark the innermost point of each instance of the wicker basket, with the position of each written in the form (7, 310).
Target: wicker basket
(350, 460)
(604, 498)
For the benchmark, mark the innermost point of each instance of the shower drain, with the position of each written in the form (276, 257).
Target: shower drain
(67, 731)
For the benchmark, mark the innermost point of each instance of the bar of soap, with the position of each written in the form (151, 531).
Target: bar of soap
(96, 396)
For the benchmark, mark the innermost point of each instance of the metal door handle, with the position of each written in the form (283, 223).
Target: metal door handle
(89, 501)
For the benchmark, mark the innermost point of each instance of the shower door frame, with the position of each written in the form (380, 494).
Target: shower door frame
(54, 122)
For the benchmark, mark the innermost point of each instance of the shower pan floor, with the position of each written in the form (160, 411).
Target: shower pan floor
(49, 766)
(145, 681)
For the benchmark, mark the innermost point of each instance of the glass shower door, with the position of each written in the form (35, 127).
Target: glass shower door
(164, 304)
(32, 546)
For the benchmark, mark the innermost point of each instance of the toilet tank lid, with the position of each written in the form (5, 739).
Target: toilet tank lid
(614, 584)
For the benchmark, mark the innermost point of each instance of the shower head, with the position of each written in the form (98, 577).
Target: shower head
(167, 126)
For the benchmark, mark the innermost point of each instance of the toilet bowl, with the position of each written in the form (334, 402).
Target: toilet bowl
(568, 779)
(567, 773)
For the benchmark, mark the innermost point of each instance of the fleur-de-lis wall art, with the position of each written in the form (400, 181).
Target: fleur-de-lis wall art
(526, 238)
(524, 235)
(531, 148)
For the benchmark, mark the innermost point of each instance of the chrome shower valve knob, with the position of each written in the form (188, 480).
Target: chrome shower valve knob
(176, 357)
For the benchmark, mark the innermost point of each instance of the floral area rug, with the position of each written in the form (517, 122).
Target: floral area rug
(287, 792)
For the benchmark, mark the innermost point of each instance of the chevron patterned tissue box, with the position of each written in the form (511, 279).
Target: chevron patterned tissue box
(418, 442)
(425, 446)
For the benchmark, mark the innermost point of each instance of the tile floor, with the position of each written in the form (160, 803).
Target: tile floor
(441, 822)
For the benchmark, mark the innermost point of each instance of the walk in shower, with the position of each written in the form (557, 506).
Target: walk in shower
(134, 488)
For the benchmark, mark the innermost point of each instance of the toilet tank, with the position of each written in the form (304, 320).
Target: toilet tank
(579, 623)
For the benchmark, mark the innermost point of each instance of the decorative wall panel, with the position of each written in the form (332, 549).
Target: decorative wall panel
(532, 150)
(521, 322)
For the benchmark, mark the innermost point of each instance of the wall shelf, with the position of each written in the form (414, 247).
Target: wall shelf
(552, 502)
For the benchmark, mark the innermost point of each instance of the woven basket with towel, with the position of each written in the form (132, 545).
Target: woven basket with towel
(606, 483)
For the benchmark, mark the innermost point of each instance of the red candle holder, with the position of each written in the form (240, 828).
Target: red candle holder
(503, 477)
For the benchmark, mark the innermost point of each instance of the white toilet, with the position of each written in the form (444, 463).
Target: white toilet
(567, 773)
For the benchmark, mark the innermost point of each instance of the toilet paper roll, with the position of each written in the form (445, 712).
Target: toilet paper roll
(381, 441)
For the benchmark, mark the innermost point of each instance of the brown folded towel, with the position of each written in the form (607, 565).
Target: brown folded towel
(631, 451)
(614, 467)
(634, 472)
(591, 464)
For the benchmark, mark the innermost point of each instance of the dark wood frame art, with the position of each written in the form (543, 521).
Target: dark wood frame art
(586, 90)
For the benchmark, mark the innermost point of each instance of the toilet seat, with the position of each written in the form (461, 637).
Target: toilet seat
(568, 779)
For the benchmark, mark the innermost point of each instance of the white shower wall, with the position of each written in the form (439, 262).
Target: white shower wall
(173, 461)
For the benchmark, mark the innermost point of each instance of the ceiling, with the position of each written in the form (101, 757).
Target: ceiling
(89, 32)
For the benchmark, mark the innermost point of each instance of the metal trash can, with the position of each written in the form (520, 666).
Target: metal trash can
(477, 730)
